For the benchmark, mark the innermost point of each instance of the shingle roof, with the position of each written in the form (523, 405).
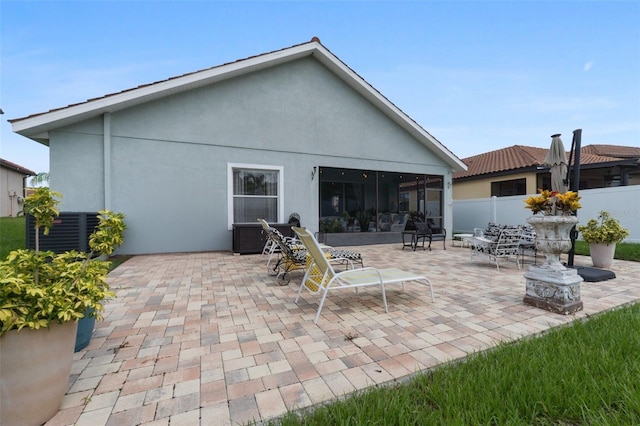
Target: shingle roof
(518, 157)
(16, 167)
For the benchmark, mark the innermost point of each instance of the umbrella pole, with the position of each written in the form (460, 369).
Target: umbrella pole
(575, 184)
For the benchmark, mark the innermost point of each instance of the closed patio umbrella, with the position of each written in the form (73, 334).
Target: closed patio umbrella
(557, 160)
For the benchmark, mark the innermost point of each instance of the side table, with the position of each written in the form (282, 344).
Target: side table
(462, 238)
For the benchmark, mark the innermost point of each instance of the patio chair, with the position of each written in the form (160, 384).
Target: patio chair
(320, 276)
(528, 244)
(421, 232)
(409, 232)
(271, 246)
(436, 234)
(506, 246)
(292, 255)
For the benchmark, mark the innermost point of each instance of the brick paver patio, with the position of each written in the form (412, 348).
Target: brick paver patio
(211, 339)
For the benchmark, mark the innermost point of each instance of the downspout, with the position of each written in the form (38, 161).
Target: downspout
(107, 159)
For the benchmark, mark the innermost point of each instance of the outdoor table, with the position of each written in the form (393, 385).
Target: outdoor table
(463, 238)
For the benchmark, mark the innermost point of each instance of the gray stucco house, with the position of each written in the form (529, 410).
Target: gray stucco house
(294, 130)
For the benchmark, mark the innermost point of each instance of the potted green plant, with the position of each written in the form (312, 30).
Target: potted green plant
(42, 297)
(363, 217)
(103, 241)
(603, 234)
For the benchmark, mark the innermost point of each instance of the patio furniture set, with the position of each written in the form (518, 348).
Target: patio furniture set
(501, 242)
(291, 254)
(415, 231)
(318, 260)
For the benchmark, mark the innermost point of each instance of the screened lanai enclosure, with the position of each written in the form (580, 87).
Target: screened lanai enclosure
(354, 200)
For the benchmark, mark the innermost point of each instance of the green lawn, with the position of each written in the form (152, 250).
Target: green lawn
(12, 234)
(624, 251)
(13, 237)
(583, 374)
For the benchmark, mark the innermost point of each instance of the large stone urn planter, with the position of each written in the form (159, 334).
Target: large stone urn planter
(34, 372)
(552, 286)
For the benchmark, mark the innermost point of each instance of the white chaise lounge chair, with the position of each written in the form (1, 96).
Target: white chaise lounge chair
(320, 276)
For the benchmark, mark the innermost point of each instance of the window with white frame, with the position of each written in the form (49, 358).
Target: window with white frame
(255, 191)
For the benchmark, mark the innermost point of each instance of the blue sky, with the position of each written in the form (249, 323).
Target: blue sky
(477, 75)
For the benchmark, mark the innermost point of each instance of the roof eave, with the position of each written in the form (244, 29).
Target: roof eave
(16, 168)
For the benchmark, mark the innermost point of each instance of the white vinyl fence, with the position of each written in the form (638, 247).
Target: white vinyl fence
(622, 202)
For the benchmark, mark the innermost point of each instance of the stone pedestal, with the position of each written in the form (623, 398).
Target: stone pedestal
(552, 289)
(552, 286)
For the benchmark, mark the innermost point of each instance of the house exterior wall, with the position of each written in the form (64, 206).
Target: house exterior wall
(77, 167)
(481, 188)
(471, 189)
(164, 163)
(590, 178)
(11, 190)
(606, 177)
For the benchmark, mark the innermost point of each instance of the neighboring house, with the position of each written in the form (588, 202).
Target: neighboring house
(13, 181)
(294, 130)
(520, 170)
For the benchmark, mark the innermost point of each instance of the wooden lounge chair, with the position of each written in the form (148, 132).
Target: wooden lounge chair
(320, 276)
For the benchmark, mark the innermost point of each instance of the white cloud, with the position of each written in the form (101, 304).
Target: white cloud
(587, 66)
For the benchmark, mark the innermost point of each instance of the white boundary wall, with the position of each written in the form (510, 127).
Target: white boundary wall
(623, 202)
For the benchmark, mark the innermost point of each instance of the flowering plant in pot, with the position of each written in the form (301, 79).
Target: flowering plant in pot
(551, 203)
(552, 286)
(552, 221)
(603, 234)
(42, 296)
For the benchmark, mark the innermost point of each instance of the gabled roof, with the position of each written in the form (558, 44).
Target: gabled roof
(519, 158)
(16, 167)
(37, 126)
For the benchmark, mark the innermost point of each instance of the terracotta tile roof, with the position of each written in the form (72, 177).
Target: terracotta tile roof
(16, 167)
(612, 151)
(521, 158)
